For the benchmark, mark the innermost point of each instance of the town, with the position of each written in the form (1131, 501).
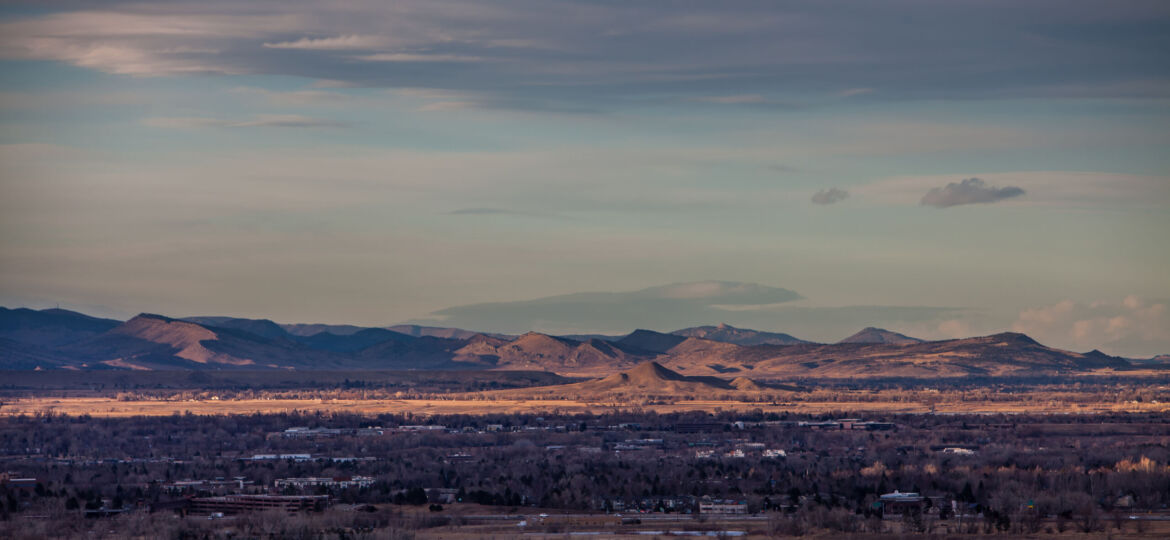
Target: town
(769, 474)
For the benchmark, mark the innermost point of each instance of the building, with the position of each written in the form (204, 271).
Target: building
(722, 506)
(898, 503)
(12, 481)
(234, 504)
(698, 427)
(294, 457)
(820, 425)
(339, 482)
(421, 428)
(219, 484)
(958, 451)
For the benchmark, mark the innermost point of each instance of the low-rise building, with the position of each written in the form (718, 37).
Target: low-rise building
(338, 482)
(722, 506)
(269, 457)
(234, 504)
(958, 451)
(218, 484)
(898, 503)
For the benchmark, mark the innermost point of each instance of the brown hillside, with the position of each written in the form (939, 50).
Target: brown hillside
(649, 378)
(548, 353)
(154, 342)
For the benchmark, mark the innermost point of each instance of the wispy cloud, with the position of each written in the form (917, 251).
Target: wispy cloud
(262, 120)
(738, 99)
(1134, 326)
(551, 49)
(854, 92)
(338, 43)
(488, 211)
(295, 97)
(829, 196)
(968, 191)
(417, 57)
(1044, 188)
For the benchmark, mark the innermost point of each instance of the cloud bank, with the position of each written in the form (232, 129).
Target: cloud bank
(1134, 327)
(567, 54)
(968, 191)
(680, 305)
(260, 120)
(829, 196)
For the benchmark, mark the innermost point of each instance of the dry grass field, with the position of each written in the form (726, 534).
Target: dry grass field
(110, 407)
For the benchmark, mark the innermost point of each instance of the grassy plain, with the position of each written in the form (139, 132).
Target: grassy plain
(110, 407)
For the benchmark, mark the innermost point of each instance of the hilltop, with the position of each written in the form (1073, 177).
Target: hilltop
(648, 378)
(880, 335)
(738, 336)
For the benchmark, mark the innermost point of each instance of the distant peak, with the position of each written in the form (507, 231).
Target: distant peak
(153, 316)
(874, 335)
(1015, 337)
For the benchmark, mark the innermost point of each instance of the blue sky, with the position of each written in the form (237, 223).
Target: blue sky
(363, 163)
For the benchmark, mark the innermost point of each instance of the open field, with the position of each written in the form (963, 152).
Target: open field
(101, 382)
(110, 407)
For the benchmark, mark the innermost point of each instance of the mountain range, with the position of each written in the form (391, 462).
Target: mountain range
(61, 339)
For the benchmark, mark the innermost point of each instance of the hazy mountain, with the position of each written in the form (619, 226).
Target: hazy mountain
(60, 339)
(362, 339)
(305, 330)
(259, 327)
(23, 356)
(649, 340)
(739, 336)
(439, 332)
(672, 306)
(878, 335)
(50, 327)
(587, 337)
(1159, 360)
(155, 342)
(414, 353)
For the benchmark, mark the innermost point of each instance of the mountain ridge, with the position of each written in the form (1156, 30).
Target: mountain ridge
(67, 340)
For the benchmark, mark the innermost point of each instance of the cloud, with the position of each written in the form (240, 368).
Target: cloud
(339, 43)
(739, 99)
(417, 57)
(853, 92)
(600, 55)
(297, 97)
(260, 120)
(484, 211)
(968, 191)
(1044, 188)
(680, 305)
(1134, 326)
(829, 196)
(439, 106)
(480, 211)
(655, 307)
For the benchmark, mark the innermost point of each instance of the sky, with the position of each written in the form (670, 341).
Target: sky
(939, 168)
